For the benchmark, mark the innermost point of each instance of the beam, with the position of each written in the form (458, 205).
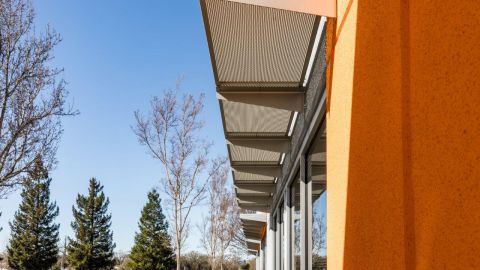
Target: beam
(290, 101)
(254, 217)
(253, 241)
(255, 229)
(256, 189)
(252, 232)
(273, 171)
(253, 236)
(318, 169)
(254, 206)
(326, 8)
(253, 226)
(318, 187)
(280, 145)
(319, 145)
(254, 199)
(253, 245)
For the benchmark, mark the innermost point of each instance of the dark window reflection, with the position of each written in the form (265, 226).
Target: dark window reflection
(295, 193)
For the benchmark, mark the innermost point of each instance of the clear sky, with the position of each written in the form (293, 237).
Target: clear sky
(117, 55)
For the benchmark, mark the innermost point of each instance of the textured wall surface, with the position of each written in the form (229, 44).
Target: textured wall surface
(403, 129)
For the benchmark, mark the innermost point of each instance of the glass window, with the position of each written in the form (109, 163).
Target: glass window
(319, 230)
(317, 174)
(295, 197)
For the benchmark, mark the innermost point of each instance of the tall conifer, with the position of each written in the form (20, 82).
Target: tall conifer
(34, 240)
(92, 248)
(152, 249)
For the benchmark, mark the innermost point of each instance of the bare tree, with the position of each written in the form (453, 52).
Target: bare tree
(171, 134)
(319, 231)
(32, 97)
(222, 227)
(209, 243)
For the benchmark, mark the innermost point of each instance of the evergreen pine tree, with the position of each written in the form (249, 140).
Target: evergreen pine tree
(92, 248)
(152, 249)
(34, 240)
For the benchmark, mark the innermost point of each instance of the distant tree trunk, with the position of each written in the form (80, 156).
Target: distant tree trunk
(178, 253)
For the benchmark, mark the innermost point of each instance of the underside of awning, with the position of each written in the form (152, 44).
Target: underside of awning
(260, 57)
(257, 47)
(254, 226)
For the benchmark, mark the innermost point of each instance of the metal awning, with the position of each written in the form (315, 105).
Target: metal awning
(261, 58)
(254, 226)
(253, 46)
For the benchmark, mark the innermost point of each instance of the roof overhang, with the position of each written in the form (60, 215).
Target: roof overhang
(258, 49)
(261, 52)
(254, 227)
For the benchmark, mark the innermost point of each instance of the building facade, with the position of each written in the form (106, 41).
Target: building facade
(391, 90)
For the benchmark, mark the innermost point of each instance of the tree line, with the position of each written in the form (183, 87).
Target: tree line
(34, 242)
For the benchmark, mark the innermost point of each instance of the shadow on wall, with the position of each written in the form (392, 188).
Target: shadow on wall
(414, 169)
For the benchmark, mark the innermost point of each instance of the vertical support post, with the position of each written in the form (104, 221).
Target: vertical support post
(305, 217)
(292, 224)
(257, 264)
(271, 234)
(288, 229)
(262, 255)
(278, 256)
(282, 237)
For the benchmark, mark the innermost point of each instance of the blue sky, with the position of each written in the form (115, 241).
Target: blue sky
(117, 55)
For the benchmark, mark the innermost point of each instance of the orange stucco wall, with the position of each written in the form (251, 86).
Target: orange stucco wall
(403, 129)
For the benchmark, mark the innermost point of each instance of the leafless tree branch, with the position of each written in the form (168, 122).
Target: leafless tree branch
(221, 228)
(32, 96)
(171, 134)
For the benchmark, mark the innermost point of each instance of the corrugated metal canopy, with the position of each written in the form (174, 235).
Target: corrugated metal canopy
(242, 119)
(254, 226)
(246, 155)
(253, 46)
(260, 57)
(242, 177)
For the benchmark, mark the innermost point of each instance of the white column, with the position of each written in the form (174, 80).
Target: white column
(262, 256)
(288, 230)
(270, 243)
(306, 217)
(257, 264)
(278, 240)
